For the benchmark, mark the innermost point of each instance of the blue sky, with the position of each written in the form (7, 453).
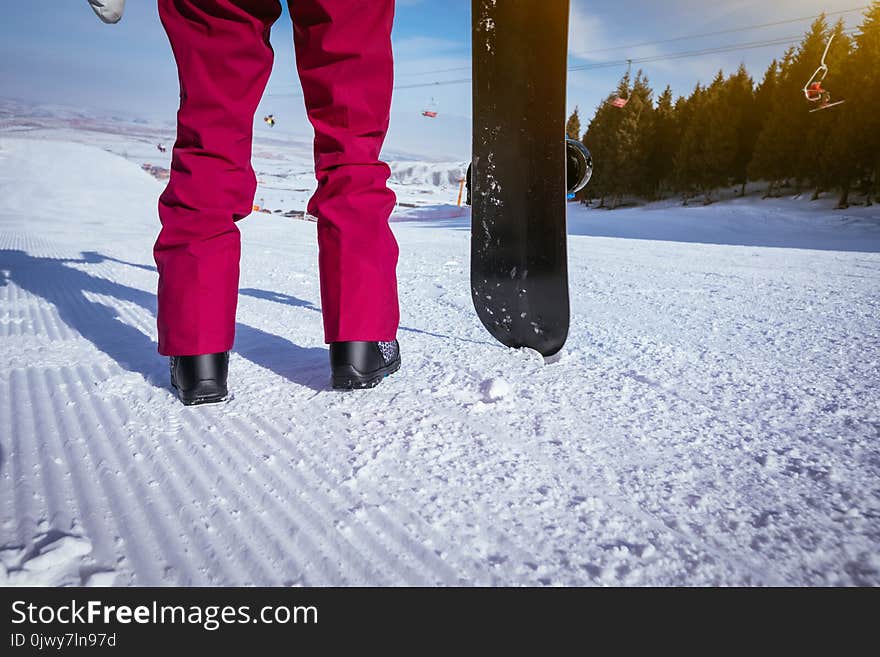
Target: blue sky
(64, 55)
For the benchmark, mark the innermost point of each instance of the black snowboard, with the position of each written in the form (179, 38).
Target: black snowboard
(519, 270)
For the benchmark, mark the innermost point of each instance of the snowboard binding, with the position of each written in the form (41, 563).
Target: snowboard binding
(578, 166)
(578, 169)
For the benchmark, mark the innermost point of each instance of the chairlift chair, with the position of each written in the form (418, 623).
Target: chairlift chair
(814, 90)
(619, 101)
(430, 110)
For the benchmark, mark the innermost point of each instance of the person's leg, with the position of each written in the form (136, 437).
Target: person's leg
(344, 59)
(223, 61)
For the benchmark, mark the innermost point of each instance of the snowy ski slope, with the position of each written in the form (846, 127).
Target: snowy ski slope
(714, 418)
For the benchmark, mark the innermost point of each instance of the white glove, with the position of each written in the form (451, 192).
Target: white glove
(109, 11)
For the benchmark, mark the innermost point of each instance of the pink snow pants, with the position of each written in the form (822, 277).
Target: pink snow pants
(344, 59)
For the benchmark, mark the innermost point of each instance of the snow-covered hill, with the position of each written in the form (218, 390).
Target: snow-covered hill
(714, 418)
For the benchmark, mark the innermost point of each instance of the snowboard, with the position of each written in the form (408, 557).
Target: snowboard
(519, 270)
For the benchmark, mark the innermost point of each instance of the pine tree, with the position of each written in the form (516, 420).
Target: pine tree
(689, 157)
(602, 139)
(765, 96)
(632, 139)
(573, 125)
(768, 160)
(720, 140)
(740, 94)
(855, 144)
(709, 142)
(598, 138)
(660, 147)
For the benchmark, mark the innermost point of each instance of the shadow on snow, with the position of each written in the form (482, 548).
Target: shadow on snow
(64, 286)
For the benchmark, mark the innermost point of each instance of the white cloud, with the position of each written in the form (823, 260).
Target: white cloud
(590, 39)
(585, 32)
(422, 46)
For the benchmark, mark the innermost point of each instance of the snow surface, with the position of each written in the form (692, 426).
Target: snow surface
(714, 418)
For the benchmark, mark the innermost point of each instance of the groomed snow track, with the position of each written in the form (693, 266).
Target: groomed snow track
(714, 419)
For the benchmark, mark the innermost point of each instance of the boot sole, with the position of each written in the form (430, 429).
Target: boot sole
(199, 401)
(352, 379)
(203, 401)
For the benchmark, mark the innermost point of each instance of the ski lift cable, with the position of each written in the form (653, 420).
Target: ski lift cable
(688, 37)
(721, 32)
(698, 53)
(791, 40)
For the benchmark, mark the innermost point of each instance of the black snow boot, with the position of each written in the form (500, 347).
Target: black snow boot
(362, 364)
(200, 379)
